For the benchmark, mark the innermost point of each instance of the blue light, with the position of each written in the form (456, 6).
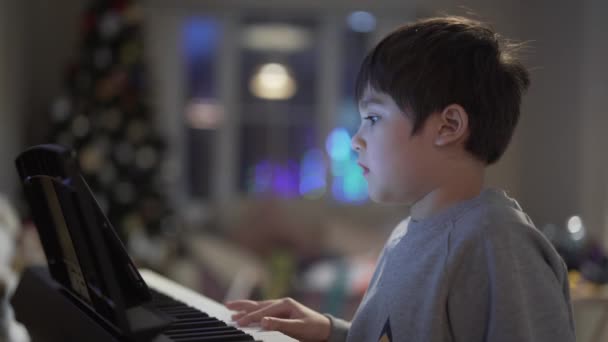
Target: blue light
(338, 144)
(337, 189)
(312, 173)
(272, 177)
(355, 186)
(348, 184)
(361, 21)
(349, 115)
(285, 179)
(262, 177)
(351, 187)
(338, 167)
(280, 181)
(200, 37)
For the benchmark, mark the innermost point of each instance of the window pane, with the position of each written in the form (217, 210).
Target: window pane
(279, 64)
(200, 46)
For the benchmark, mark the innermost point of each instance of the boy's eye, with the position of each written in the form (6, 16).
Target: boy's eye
(372, 119)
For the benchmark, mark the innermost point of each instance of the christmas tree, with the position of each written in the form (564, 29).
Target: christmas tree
(104, 116)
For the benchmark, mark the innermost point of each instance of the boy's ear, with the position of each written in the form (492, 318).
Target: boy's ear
(452, 125)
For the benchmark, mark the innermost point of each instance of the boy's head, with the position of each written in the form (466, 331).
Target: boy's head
(436, 62)
(452, 70)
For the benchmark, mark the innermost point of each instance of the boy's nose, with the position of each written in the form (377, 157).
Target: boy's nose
(356, 143)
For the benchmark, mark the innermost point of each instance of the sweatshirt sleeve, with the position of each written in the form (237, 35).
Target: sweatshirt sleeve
(507, 283)
(338, 329)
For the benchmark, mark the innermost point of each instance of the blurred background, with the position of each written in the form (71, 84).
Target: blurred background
(216, 134)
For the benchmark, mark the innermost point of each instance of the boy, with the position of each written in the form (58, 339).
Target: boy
(439, 100)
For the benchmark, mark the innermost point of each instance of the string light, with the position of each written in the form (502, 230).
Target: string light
(312, 174)
(576, 228)
(204, 114)
(273, 81)
(361, 21)
(338, 144)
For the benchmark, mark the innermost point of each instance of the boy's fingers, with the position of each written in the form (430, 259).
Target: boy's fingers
(247, 305)
(278, 309)
(242, 305)
(238, 315)
(291, 327)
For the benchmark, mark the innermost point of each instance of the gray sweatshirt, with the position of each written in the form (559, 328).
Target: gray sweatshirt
(478, 271)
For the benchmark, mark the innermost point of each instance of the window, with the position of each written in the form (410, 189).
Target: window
(200, 44)
(272, 130)
(277, 121)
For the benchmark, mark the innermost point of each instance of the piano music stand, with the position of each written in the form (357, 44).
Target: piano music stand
(92, 285)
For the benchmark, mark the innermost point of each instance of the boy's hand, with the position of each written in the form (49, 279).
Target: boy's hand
(284, 315)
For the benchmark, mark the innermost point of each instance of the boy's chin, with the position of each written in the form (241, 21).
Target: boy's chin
(384, 197)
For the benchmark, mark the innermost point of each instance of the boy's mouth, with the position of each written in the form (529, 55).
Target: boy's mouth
(364, 168)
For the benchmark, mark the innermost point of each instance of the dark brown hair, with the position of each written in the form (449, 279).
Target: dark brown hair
(432, 63)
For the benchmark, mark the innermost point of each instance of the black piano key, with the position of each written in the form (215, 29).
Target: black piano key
(191, 315)
(164, 307)
(168, 305)
(197, 319)
(197, 324)
(176, 332)
(166, 301)
(218, 338)
(194, 333)
(184, 314)
(182, 311)
(158, 294)
(239, 335)
(178, 309)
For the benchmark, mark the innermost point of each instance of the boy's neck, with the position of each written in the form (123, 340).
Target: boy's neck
(453, 190)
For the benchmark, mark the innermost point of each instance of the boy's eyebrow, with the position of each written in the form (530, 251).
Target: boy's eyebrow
(370, 100)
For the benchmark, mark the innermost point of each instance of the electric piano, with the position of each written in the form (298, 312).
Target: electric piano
(91, 290)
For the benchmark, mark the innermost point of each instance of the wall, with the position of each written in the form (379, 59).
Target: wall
(11, 93)
(551, 126)
(593, 159)
(37, 38)
(563, 156)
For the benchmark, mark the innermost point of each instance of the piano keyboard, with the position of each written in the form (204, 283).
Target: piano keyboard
(201, 319)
